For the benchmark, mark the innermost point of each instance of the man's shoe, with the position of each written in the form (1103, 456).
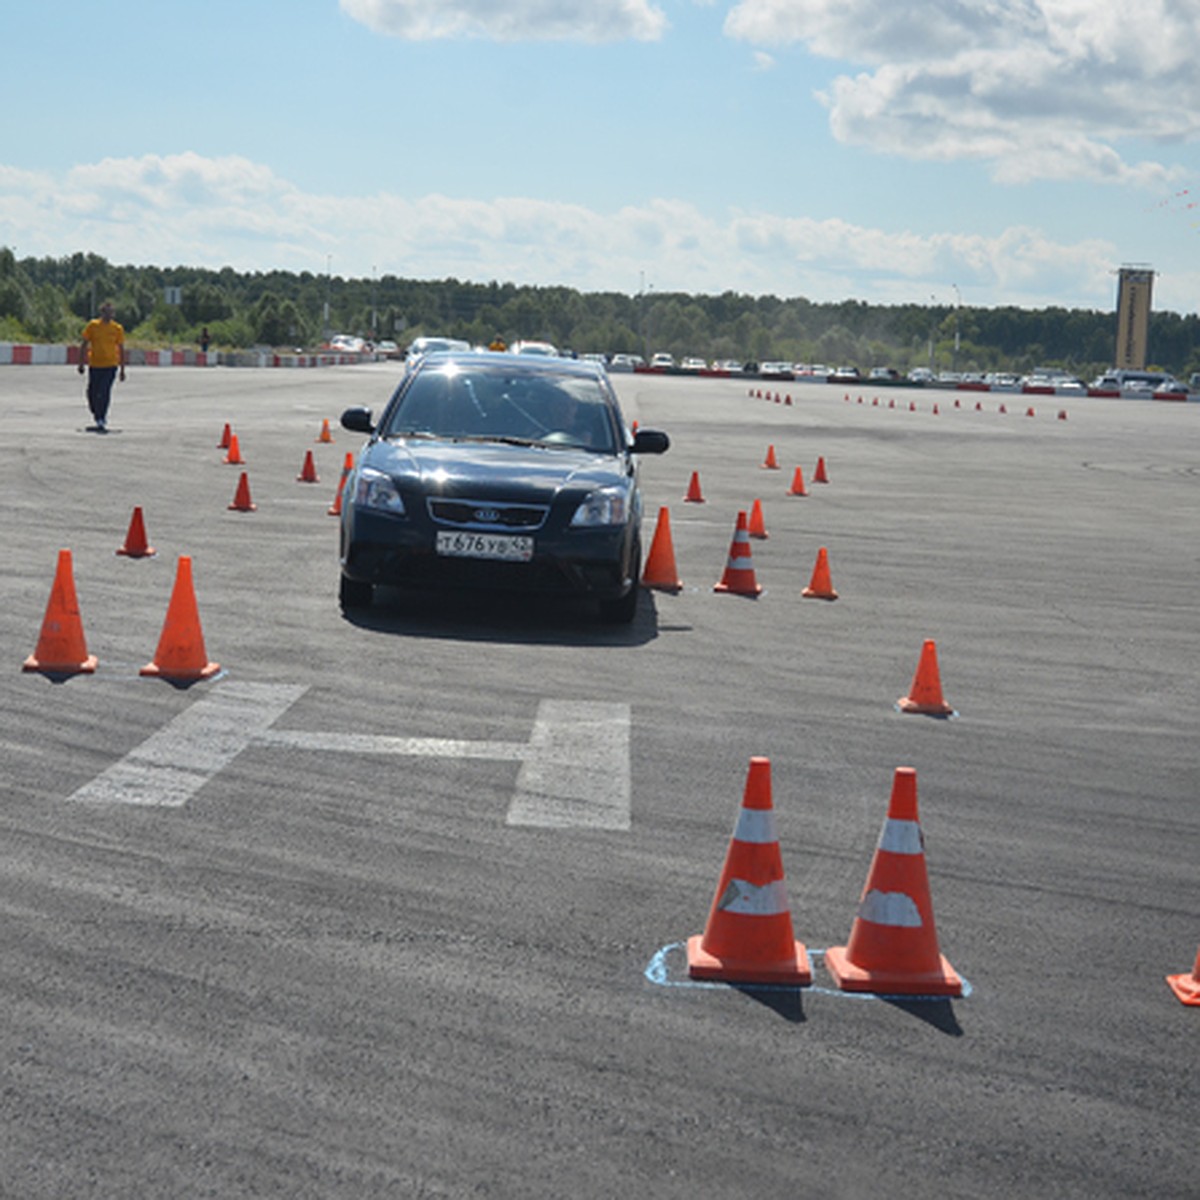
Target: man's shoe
(101, 425)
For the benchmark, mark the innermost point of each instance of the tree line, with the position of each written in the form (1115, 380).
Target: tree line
(48, 299)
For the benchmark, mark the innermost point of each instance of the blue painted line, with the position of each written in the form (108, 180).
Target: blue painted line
(658, 972)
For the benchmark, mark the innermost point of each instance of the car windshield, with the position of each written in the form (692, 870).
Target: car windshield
(492, 403)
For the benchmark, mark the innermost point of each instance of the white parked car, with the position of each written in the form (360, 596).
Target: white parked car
(546, 349)
(662, 361)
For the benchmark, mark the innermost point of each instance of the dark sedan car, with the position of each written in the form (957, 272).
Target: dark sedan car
(497, 471)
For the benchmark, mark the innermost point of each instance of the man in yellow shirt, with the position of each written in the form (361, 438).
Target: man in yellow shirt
(102, 351)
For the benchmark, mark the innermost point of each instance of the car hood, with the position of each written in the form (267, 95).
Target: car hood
(494, 469)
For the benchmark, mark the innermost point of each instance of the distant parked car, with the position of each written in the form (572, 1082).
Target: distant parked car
(662, 361)
(693, 365)
(545, 349)
(389, 349)
(435, 345)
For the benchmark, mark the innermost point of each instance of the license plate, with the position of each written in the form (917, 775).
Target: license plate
(505, 547)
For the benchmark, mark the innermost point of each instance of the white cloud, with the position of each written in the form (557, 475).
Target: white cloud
(513, 20)
(1037, 88)
(187, 209)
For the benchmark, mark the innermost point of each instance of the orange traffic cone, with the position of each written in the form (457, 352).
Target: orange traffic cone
(234, 453)
(61, 647)
(1187, 987)
(739, 569)
(325, 435)
(308, 472)
(241, 497)
(180, 654)
(135, 538)
(693, 493)
(757, 527)
(749, 936)
(769, 463)
(226, 433)
(820, 587)
(798, 488)
(925, 694)
(893, 945)
(660, 571)
(335, 509)
(820, 475)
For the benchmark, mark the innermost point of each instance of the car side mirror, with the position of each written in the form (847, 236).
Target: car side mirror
(650, 441)
(358, 420)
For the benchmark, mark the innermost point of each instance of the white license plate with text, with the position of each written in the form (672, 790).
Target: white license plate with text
(500, 546)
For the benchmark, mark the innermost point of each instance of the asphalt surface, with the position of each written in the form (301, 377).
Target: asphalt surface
(287, 933)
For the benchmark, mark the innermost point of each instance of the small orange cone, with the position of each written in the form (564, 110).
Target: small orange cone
(241, 497)
(769, 463)
(308, 472)
(749, 936)
(660, 571)
(893, 946)
(820, 475)
(335, 509)
(180, 654)
(226, 433)
(234, 454)
(757, 527)
(135, 539)
(693, 493)
(1187, 987)
(1062, 414)
(798, 488)
(820, 586)
(61, 647)
(925, 694)
(738, 578)
(325, 435)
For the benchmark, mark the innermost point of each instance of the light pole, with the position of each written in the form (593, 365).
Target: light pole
(957, 306)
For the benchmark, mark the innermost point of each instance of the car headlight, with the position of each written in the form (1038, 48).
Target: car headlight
(375, 489)
(606, 506)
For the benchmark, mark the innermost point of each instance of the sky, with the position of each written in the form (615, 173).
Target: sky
(973, 152)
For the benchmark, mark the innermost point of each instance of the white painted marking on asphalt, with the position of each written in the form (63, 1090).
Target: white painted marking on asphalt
(576, 770)
(574, 773)
(169, 767)
(369, 743)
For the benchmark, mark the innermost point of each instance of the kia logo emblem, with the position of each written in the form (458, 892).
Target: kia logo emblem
(489, 516)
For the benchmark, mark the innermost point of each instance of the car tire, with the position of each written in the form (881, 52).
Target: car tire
(623, 609)
(354, 593)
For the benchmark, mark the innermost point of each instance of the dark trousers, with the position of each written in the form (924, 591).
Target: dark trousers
(99, 390)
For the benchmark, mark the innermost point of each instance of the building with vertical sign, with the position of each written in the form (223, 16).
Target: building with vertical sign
(1134, 291)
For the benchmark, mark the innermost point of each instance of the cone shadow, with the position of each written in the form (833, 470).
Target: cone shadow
(787, 1002)
(937, 1011)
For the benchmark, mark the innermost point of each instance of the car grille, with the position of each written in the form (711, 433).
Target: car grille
(487, 514)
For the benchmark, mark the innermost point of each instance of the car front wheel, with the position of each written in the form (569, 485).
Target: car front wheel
(354, 593)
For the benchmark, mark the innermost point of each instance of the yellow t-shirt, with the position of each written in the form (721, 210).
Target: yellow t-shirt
(104, 339)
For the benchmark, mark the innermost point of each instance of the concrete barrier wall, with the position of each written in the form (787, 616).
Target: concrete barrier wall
(19, 354)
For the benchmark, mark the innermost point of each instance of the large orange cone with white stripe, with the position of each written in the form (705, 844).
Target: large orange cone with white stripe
(749, 936)
(180, 655)
(820, 586)
(893, 945)
(61, 648)
(335, 509)
(739, 569)
(1187, 987)
(925, 694)
(660, 571)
